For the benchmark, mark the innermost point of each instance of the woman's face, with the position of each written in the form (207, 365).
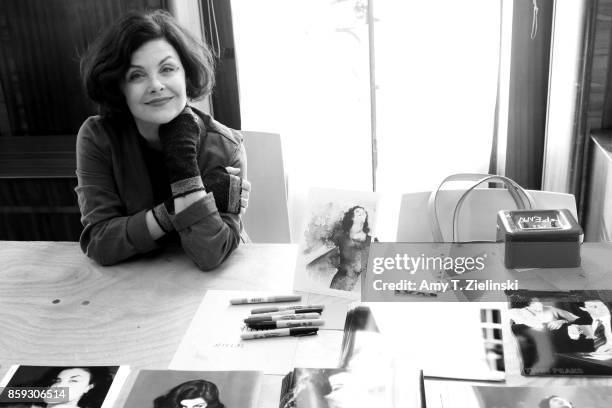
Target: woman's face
(558, 402)
(194, 403)
(154, 85)
(536, 305)
(359, 215)
(76, 380)
(596, 308)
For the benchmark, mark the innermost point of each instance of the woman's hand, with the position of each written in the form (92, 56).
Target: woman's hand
(246, 189)
(231, 192)
(574, 332)
(180, 139)
(556, 324)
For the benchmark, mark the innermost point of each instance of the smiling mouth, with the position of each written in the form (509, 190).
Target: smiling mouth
(158, 101)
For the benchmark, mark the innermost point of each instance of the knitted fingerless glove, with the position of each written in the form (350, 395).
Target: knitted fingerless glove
(161, 213)
(180, 139)
(226, 189)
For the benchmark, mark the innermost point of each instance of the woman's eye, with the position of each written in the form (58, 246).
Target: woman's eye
(135, 76)
(169, 69)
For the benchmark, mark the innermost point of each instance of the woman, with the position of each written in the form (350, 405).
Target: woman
(353, 242)
(600, 329)
(191, 394)
(71, 387)
(555, 401)
(87, 386)
(540, 317)
(541, 327)
(150, 168)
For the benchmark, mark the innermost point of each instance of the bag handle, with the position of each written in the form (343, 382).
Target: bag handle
(521, 198)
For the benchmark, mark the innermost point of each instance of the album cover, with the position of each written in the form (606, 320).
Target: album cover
(562, 333)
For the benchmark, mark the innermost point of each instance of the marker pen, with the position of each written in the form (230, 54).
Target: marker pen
(298, 331)
(282, 324)
(282, 308)
(289, 312)
(274, 318)
(266, 299)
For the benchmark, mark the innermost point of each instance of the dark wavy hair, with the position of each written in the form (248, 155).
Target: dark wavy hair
(545, 403)
(347, 220)
(100, 377)
(107, 59)
(190, 390)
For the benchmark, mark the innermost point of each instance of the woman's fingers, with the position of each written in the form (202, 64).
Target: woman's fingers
(246, 186)
(234, 171)
(245, 189)
(244, 198)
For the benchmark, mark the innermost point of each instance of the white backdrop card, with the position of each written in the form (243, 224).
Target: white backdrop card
(444, 339)
(212, 341)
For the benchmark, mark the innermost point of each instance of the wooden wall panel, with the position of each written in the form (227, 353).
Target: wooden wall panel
(600, 102)
(599, 70)
(41, 42)
(42, 106)
(529, 72)
(226, 100)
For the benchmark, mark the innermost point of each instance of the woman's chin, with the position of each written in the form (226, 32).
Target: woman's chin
(159, 116)
(165, 117)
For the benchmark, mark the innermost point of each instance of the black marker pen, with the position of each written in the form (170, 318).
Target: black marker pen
(298, 331)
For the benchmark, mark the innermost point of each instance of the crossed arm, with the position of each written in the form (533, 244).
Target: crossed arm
(111, 235)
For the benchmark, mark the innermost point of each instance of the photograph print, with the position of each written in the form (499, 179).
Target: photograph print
(334, 248)
(62, 386)
(562, 333)
(335, 388)
(373, 332)
(460, 395)
(194, 389)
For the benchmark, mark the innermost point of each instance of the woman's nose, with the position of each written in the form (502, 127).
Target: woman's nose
(155, 85)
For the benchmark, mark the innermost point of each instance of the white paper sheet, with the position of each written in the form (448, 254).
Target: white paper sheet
(212, 341)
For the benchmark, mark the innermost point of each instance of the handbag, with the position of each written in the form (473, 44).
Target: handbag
(522, 199)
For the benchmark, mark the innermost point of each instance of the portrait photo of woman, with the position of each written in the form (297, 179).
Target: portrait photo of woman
(554, 401)
(194, 389)
(66, 387)
(152, 168)
(191, 394)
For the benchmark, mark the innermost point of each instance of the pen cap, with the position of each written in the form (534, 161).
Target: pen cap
(299, 311)
(303, 331)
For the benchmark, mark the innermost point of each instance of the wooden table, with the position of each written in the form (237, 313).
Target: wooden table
(58, 307)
